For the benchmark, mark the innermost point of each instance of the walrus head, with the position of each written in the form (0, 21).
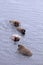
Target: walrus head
(22, 30)
(20, 47)
(15, 23)
(15, 37)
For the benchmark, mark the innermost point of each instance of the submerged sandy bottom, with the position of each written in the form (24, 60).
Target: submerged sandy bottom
(30, 14)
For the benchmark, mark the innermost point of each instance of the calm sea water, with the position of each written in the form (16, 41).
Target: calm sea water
(30, 14)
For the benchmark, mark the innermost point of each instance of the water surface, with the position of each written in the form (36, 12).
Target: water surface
(30, 14)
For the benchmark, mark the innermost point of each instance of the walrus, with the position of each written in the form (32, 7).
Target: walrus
(21, 30)
(15, 23)
(24, 51)
(15, 37)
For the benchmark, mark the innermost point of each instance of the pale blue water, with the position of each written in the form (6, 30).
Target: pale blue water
(30, 14)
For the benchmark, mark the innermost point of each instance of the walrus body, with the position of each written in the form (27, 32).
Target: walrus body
(15, 23)
(21, 30)
(24, 50)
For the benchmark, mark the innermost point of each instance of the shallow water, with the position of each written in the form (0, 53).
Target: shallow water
(30, 14)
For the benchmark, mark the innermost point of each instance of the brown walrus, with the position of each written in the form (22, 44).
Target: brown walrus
(24, 50)
(15, 37)
(22, 30)
(15, 23)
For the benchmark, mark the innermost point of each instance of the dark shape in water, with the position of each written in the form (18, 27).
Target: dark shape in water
(15, 23)
(15, 37)
(24, 50)
(22, 30)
